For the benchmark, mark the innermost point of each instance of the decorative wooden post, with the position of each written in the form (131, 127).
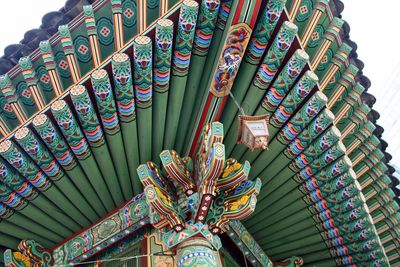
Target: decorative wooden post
(69, 51)
(116, 6)
(91, 30)
(50, 64)
(12, 98)
(199, 198)
(197, 251)
(29, 74)
(30, 254)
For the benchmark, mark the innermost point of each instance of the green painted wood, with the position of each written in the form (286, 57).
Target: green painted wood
(292, 101)
(380, 198)
(206, 23)
(180, 68)
(31, 78)
(20, 233)
(50, 61)
(279, 109)
(96, 139)
(25, 191)
(128, 219)
(143, 83)
(340, 60)
(368, 162)
(296, 225)
(171, 3)
(274, 193)
(362, 131)
(103, 13)
(286, 254)
(247, 244)
(22, 221)
(259, 42)
(61, 151)
(299, 122)
(225, 18)
(42, 157)
(389, 234)
(387, 209)
(9, 241)
(8, 117)
(285, 209)
(129, 19)
(294, 244)
(2, 250)
(351, 98)
(18, 91)
(365, 148)
(79, 145)
(25, 165)
(161, 76)
(395, 263)
(290, 238)
(308, 8)
(153, 11)
(24, 207)
(326, 29)
(356, 115)
(328, 156)
(321, 263)
(358, 257)
(77, 44)
(69, 50)
(125, 99)
(290, 140)
(334, 34)
(264, 77)
(294, 129)
(345, 82)
(17, 94)
(388, 223)
(108, 113)
(279, 169)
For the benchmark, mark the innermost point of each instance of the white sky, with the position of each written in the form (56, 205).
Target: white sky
(374, 27)
(377, 41)
(20, 16)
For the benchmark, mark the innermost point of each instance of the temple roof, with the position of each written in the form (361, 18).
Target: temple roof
(69, 153)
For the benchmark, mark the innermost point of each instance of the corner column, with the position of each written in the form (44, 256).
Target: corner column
(197, 251)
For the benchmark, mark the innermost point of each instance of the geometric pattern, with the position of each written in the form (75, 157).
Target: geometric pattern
(62, 65)
(82, 49)
(105, 31)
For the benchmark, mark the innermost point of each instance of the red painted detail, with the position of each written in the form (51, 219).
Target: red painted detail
(204, 208)
(237, 13)
(254, 13)
(221, 108)
(201, 124)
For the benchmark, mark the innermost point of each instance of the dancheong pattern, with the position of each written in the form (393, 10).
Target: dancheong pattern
(94, 121)
(105, 100)
(87, 116)
(163, 53)
(230, 60)
(69, 127)
(143, 71)
(184, 38)
(205, 26)
(124, 94)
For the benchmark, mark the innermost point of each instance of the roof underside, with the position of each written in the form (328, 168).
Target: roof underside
(328, 194)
